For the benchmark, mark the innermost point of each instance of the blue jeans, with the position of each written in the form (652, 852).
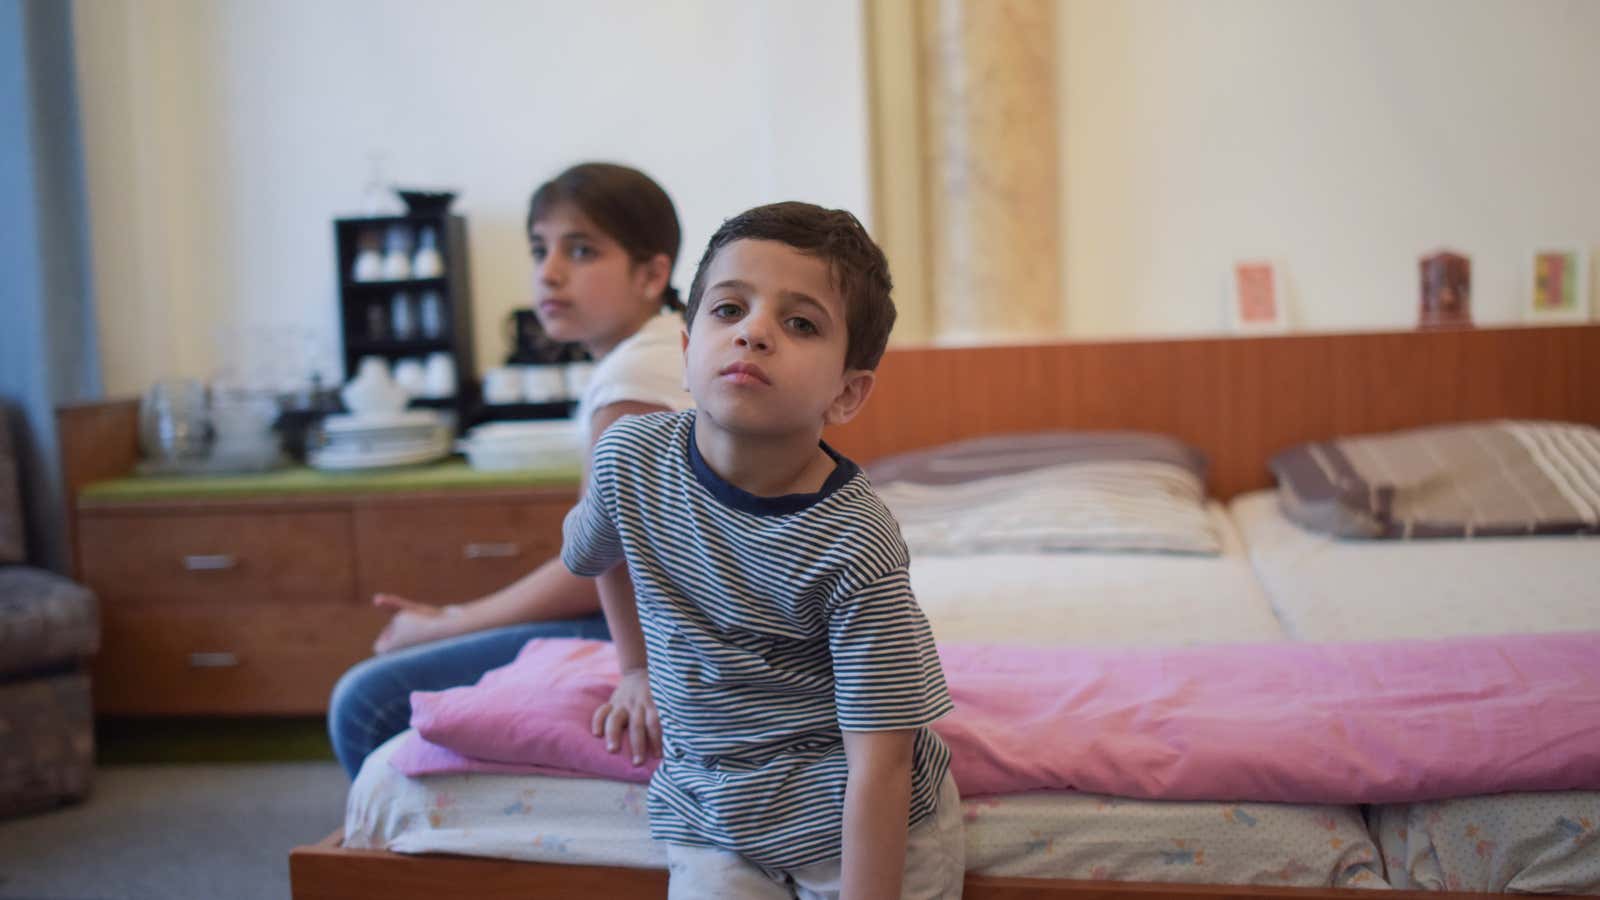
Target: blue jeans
(372, 702)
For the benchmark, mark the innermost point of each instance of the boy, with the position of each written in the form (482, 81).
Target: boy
(795, 673)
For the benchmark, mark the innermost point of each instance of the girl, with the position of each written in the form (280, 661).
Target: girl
(604, 239)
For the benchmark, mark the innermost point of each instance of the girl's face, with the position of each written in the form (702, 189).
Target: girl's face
(585, 286)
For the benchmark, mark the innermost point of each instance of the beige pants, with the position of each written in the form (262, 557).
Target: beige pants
(935, 864)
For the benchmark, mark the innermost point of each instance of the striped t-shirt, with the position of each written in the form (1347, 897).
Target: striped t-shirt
(771, 623)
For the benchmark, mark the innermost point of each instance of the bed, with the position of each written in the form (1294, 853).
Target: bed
(1238, 401)
(1330, 589)
(1020, 598)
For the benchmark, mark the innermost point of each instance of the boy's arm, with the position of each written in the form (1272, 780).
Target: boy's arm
(631, 709)
(877, 803)
(591, 547)
(887, 686)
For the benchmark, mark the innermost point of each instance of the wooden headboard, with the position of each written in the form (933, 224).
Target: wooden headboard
(1239, 400)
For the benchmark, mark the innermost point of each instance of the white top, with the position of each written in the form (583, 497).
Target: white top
(645, 368)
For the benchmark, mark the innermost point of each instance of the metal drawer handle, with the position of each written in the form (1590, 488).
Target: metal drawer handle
(492, 551)
(221, 660)
(216, 562)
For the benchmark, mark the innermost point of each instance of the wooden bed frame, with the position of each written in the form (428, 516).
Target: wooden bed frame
(1238, 399)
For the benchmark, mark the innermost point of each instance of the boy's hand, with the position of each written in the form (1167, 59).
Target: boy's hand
(633, 710)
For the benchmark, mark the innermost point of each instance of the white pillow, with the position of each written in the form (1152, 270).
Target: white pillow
(1137, 505)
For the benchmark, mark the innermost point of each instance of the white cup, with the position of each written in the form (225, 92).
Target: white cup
(577, 376)
(409, 374)
(372, 367)
(440, 375)
(502, 385)
(396, 265)
(543, 384)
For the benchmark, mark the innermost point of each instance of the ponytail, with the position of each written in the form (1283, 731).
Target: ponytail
(671, 300)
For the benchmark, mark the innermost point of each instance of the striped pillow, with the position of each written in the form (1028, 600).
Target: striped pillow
(1483, 479)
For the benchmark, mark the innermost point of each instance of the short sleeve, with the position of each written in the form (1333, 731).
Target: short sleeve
(590, 543)
(885, 666)
(647, 368)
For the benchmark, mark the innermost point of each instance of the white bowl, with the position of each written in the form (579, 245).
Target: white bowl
(501, 446)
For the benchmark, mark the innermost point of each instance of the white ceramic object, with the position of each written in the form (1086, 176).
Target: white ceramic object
(427, 263)
(430, 315)
(578, 375)
(500, 446)
(502, 385)
(368, 266)
(440, 375)
(543, 384)
(396, 265)
(411, 376)
(374, 441)
(373, 391)
(378, 458)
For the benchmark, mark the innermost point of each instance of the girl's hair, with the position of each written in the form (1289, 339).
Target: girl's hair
(623, 202)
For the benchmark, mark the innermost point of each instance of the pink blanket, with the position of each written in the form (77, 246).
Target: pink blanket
(1289, 722)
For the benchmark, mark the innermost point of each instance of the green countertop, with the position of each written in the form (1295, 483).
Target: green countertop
(451, 474)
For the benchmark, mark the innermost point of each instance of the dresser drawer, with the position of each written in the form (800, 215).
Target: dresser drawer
(198, 659)
(225, 560)
(447, 552)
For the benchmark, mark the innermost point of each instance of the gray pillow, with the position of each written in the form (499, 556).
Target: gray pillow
(1009, 454)
(1480, 479)
(1050, 492)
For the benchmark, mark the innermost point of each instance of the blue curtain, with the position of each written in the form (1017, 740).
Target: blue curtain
(48, 351)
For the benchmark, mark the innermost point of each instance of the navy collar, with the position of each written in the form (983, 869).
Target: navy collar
(744, 501)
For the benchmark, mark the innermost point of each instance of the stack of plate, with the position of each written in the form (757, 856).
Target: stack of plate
(375, 441)
(499, 446)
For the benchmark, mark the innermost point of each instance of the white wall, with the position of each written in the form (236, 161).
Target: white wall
(1343, 137)
(224, 136)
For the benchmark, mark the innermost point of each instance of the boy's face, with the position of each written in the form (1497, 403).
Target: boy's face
(765, 353)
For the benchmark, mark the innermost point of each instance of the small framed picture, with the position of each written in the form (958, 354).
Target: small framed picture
(1446, 290)
(1255, 297)
(1557, 284)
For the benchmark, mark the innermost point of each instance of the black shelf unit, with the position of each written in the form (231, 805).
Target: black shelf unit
(358, 298)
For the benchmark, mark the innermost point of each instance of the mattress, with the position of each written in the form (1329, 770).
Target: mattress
(1509, 843)
(1107, 599)
(1327, 589)
(583, 821)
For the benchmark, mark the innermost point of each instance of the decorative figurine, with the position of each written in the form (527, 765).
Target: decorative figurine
(1446, 291)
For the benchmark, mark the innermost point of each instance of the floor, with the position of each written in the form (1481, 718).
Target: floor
(197, 810)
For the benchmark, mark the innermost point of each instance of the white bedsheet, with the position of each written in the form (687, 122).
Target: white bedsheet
(1043, 835)
(1098, 598)
(1325, 589)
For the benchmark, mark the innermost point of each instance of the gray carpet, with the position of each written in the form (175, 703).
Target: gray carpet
(174, 832)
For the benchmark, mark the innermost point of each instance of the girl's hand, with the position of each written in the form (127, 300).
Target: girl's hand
(631, 710)
(413, 623)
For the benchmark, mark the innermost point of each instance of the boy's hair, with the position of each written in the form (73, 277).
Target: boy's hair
(837, 238)
(623, 202)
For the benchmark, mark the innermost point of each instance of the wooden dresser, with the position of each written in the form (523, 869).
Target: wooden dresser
(250, 595)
